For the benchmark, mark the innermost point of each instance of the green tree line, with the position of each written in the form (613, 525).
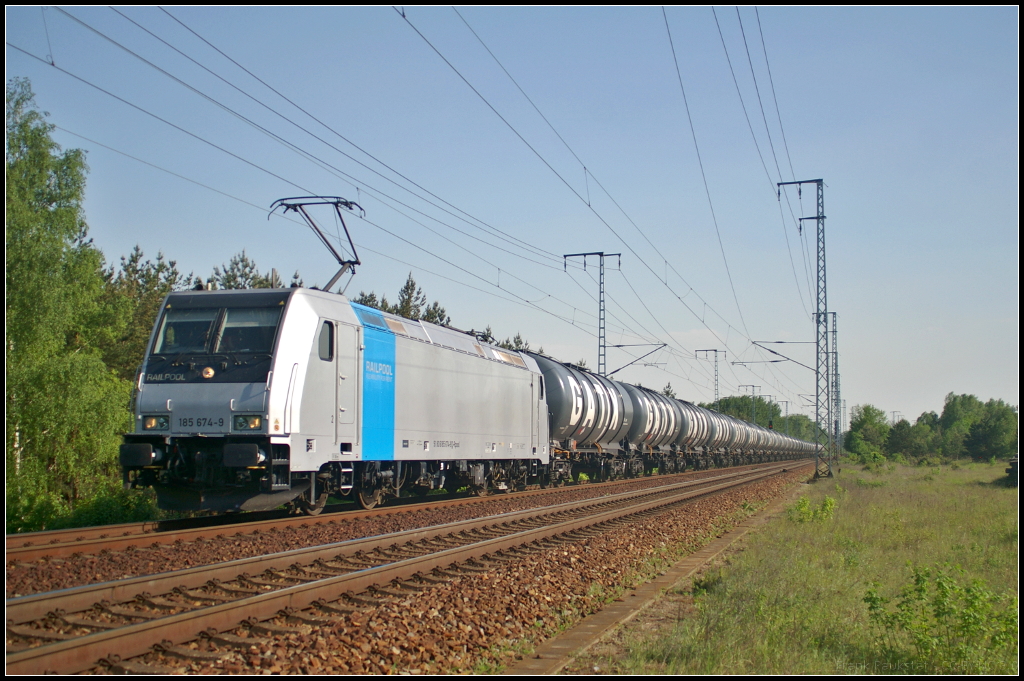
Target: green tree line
(412, 304)
(967, 427)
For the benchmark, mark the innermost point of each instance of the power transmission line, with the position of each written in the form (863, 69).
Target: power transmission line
(296, 148)
(778, 113)
(589, 173)
(279, 177)
(742, 104)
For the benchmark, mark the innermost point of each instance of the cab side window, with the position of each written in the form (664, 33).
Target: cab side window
(327, 342)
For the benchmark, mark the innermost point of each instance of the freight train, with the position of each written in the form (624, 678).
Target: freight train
(250, 399)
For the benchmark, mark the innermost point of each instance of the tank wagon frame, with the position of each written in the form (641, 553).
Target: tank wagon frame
(250, 399)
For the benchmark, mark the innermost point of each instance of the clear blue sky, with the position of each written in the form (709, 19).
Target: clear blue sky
(910, 115)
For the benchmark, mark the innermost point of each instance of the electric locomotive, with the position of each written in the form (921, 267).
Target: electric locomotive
(249, 399)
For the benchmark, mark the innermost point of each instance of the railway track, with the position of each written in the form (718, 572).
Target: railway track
(32, 546)
(75, 629)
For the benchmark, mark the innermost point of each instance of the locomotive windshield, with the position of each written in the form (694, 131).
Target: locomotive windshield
(248, 330)
(186, 331)
(218, 331)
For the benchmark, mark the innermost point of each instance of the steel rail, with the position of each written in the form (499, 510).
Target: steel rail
(32, 546)
(35, 606)
(136, 639)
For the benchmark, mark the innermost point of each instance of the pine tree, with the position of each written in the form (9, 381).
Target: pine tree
(240, 272)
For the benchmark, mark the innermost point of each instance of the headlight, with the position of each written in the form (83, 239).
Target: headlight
(155, 422)
(248, 422)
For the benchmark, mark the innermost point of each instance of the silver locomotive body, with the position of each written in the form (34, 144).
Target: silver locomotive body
(250, 399)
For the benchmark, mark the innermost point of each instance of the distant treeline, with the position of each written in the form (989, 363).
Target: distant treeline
(967, 427)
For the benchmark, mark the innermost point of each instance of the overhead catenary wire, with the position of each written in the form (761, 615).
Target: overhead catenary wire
(258, 167)
(744, 108)
(162, 120)
(771, 144)
(309, 156)
(254, 165)
(768, 175)
(555, 172)
(263, 210)
(778, 112)
(353, 144)
(700, 162)
(586, 170)
(510, 297)
(757, 90)
(589, 174)
(346, 175)
(279, 177)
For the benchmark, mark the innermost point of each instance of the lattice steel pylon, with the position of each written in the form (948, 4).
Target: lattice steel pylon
(602, 343)
(716, 370)
(825, 456)
(837, 403)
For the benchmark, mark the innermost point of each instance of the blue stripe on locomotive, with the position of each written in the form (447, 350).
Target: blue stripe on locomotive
(378, 387)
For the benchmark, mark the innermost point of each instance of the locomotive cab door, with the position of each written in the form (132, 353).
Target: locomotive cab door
(318, 394)
(349, 342)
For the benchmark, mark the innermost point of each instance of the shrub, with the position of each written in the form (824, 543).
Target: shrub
(803, 512)
(37, 510)
(940, 625)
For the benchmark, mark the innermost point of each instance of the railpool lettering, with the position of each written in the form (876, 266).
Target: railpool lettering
(380, 371)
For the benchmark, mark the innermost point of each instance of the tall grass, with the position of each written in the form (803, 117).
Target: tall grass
(917, 575)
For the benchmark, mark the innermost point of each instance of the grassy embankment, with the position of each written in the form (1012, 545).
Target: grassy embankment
(905, 570)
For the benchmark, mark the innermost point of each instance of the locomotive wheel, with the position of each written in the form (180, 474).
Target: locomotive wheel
(370, 489)
(369, 499)
(313, 508)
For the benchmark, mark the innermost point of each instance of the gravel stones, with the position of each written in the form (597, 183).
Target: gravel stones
(479, 620)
